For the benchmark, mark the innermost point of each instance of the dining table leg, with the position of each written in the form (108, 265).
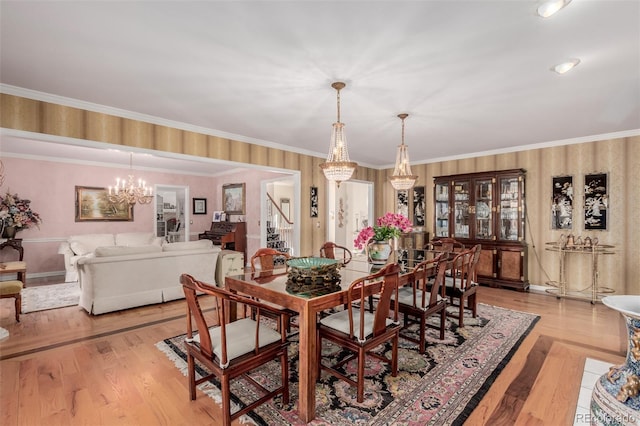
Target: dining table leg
(307, 365)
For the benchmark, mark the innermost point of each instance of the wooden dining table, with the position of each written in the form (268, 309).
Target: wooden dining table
(272, 287)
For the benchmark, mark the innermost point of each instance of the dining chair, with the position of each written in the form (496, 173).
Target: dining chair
(266, 264)
(360, 331)
(461, 283)
(332, 250)
(229, 350)
(449, 245)
(416, 300)
(269, 259)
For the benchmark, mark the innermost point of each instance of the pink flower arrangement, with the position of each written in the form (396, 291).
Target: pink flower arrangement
(391, 225)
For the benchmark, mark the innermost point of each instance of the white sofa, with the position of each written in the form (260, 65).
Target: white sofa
(78, 246)
(122, 277)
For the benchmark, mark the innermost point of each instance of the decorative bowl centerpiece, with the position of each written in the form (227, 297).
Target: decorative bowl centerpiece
(310, 274)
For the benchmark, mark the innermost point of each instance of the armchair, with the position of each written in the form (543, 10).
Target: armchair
(359, 330)
(231, 350)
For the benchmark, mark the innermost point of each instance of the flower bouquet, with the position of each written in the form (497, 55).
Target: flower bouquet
(16, 212)
(389, 226)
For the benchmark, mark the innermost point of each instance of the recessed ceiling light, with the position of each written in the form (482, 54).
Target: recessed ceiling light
(565, 66)
(550, 7)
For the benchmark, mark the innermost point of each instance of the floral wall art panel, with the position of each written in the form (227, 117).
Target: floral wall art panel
(562, 203)
(402, 202)
(418, 206)
(596, 202)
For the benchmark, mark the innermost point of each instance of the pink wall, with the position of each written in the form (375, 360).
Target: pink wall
(51, 188)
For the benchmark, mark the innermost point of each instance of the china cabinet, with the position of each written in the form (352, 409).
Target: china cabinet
(486, 208)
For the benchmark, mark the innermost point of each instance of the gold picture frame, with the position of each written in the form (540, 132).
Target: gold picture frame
(233, 198)
(93, 205)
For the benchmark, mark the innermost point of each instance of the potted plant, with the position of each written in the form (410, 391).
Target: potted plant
(376, 239)
(16, 215)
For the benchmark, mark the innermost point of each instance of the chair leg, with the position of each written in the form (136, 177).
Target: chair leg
(192, 377)
(461, 313)
(394, 355)
(284, 359)
(18, 306)
(361, 361)
(319, 355)
(226, 400)
(443, 322)
(472, 302)
(423, 331)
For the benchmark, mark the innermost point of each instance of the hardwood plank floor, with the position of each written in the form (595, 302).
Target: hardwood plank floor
(66, 367)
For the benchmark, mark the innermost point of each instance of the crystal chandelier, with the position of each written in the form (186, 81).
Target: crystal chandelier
(1, 173)
(402, 177)
(130, 192)
(338, 167)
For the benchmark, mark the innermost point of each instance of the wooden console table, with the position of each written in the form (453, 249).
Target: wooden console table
(595, 251)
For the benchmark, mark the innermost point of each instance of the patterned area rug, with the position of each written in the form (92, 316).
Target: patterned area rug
(52, 296)
(441, 387)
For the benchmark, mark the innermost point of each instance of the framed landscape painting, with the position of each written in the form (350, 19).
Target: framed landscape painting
(93, 205)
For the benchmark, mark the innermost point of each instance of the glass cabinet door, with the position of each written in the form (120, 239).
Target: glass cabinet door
(442, 209)
(484, 209)
(510, 211)
(461, 209)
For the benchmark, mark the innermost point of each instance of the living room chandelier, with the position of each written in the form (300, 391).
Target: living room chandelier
(402, 178)
(130, 192)
(338, 167)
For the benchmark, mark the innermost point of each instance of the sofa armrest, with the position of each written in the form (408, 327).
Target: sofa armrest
(65, 249)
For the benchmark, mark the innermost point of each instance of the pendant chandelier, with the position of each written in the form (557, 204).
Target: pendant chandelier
(338, 167)
(402, 177)
(130, 192)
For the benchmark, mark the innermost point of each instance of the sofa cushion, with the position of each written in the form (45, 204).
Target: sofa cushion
(125, 250)
(85, 244)
(188, 245)
(136, 239)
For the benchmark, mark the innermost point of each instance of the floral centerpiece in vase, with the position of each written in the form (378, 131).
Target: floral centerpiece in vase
(376, 239)
(16, 215)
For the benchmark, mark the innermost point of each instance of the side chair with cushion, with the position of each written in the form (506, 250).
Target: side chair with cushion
(13, 288)
(416, 300)
(271, 263)
(360, 331)
(332, 250)
(269, 259)
(446, 245)
(461, 284)
(230, 350)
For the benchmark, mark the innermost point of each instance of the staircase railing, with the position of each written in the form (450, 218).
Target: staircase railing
(279, 227)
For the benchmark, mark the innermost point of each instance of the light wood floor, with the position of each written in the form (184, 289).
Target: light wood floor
(65, 367)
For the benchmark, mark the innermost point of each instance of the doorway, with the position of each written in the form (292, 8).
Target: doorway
(280, 214)
(350, 210)
(172, 212)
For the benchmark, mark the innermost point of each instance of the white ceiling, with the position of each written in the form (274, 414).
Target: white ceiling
(473, 75)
